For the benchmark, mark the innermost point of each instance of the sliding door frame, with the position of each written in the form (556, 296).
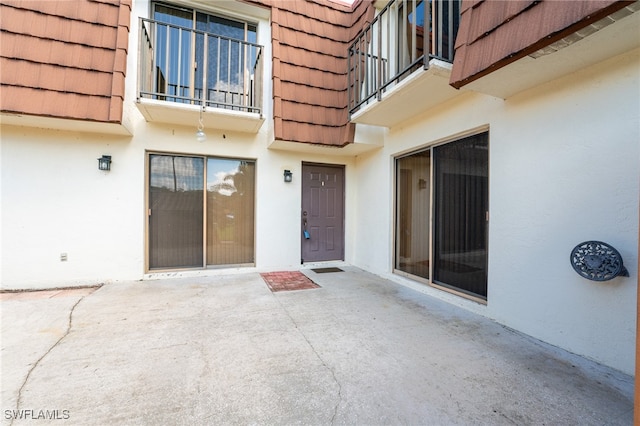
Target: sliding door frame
(432, 208)
(147, 207)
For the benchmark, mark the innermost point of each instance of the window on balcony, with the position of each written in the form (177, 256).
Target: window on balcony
(198, 58)
(411, 18)
(403, 37)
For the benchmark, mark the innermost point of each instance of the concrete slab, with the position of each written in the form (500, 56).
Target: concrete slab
(225, 349)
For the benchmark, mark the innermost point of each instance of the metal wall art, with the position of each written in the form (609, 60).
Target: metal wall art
(597, 261)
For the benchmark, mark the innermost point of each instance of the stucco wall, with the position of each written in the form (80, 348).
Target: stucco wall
(55, 200)
(564, 168)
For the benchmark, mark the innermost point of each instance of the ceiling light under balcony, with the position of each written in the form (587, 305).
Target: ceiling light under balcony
(201, 136)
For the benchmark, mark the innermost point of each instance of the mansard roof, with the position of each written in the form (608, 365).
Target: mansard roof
(64, 59)
(310, 39)
(495, 33)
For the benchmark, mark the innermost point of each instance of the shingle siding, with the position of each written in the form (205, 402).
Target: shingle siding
(310, 39)
(495, 33)
(64, 59)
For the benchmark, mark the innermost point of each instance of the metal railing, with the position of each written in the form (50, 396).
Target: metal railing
(183, 65)
(403, 37)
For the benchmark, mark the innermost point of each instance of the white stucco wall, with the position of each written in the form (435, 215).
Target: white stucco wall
(564, 168)
(55, 200)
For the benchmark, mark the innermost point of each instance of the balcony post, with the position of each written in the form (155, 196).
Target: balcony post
(379, 66)
(205, 67)
(426, 45)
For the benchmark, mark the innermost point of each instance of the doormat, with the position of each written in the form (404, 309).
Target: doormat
(287, 281)
(325, 270)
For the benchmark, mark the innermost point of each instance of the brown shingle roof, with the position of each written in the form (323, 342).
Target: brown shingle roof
(64, 59)
(494, 33)
(310, 39)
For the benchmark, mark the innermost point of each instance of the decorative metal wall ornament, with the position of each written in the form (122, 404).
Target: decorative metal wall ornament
(597, 261)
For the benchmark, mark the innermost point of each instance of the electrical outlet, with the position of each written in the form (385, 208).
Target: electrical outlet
(63, 257)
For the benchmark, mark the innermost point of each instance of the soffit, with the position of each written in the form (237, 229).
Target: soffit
(566, 56)
(212, 118)
(496, 33)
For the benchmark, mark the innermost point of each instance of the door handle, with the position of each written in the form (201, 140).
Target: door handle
(304, 229)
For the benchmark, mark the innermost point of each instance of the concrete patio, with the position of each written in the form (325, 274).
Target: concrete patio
(226, 350)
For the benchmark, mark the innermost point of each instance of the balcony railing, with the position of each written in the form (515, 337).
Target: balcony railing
(403, 37)
(183, 65)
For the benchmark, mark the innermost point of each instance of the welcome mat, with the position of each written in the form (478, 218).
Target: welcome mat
(325, 270)
(288, 280)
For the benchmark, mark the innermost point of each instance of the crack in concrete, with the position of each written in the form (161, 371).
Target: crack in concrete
(35, 364)
(324, 364)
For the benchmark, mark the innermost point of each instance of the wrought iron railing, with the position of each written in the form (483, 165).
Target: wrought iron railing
(403, 37)
(183, 65)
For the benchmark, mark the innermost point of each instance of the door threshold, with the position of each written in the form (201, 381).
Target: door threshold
(325, 264)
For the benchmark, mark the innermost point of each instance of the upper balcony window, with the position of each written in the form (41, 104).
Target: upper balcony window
(196, 58)
(406, 35)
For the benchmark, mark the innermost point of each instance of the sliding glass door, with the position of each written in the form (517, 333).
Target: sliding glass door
(188, 195)
(413, 177)
(461, 209)
(230, 211)
(176, 205)
(441, 214)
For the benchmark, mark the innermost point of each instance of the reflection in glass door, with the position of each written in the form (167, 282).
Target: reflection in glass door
(413, 207)
(449, 182)
(179, 208)
(176, 200)
(173, 71)
(461, 201)
(220, 44)
(230, 211)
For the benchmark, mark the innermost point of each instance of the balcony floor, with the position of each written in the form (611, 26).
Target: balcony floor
(188, 115)
(420, 91)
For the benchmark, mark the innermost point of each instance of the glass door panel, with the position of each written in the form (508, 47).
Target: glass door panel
(230, 211)
(173, 52)
(226, 58)
(461, 206)
(413, 207)
(411, 33)
(176, 212)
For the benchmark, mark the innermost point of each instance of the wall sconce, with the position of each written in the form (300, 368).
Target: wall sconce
(288, 176)
(104, 163)
(201, 136)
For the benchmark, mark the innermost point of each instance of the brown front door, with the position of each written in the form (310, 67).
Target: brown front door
(322, 213)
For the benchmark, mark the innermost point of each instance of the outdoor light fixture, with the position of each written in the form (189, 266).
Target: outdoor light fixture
(201, 136)
(104, 163)
(288, 176)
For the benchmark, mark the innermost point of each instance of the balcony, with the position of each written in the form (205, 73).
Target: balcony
(399, 65)
(183, 71)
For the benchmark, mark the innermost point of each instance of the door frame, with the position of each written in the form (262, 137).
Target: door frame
(147, 225)
(431, 146)
(147, 213)
(343, 169)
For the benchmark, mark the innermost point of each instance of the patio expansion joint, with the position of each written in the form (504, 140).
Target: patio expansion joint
(35, 364)
(322, 361)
